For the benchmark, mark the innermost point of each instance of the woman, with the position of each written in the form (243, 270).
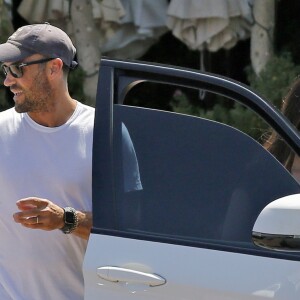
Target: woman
(275, 144)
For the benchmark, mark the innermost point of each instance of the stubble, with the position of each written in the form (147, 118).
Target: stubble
(39, 98)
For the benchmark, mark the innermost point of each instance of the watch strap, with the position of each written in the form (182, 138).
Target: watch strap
(70, 220)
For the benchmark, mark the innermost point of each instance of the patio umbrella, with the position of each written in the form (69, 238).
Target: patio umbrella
(142, 25)
(210, 24)
(37, 11)
(106, 14)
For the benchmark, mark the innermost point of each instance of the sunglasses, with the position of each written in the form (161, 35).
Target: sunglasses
(16, 69)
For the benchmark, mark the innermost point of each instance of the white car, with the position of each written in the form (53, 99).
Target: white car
(183, 206)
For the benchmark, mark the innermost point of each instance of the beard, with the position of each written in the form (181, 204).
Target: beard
(39, 98)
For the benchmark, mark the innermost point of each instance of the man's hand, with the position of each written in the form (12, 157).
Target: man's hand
(38, 213)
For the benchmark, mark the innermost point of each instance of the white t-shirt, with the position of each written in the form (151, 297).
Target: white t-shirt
(52, 163)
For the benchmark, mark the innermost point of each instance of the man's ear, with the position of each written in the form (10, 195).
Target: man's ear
(56, 66)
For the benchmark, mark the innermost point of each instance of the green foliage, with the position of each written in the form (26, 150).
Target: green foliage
(75, 82)
(272, 84)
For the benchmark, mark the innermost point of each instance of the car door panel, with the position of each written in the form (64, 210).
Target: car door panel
(189, 272)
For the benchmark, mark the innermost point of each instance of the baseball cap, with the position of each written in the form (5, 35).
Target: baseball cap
(43, 39)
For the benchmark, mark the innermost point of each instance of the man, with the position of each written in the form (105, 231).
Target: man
(45, 169)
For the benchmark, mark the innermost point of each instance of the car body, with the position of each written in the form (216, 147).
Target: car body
(175, 197)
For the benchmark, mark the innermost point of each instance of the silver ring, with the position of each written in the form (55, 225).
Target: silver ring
(37, 219)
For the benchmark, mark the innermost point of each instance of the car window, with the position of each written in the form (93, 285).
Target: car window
(188, 178)
(204, 104)
(201, 103)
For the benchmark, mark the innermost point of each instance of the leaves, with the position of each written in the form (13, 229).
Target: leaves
(272, 83)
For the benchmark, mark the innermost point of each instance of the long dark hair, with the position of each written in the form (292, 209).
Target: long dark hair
(291, 109)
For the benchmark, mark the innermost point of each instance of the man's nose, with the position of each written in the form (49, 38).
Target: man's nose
(9, 80)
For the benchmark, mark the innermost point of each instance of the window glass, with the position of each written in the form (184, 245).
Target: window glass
(184, 177)
(199, 103)
(212, 106)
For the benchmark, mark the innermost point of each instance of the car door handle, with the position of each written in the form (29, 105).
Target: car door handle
(115, 274)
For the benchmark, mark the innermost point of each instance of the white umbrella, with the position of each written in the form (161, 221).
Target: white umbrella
(140, 28)
(210, 24)
(106, 14)
(37, 11)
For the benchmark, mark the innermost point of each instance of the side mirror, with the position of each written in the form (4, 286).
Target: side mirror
(278, 225)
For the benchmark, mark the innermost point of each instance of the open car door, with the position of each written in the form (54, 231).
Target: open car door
(175, 197)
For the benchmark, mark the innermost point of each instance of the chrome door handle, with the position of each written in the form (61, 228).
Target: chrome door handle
(115, 274)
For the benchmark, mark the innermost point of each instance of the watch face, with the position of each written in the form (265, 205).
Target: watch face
(69, 217)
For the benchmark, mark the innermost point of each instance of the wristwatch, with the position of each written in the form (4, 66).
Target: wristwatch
(70, 219)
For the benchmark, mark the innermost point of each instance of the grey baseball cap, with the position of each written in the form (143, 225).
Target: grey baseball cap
(43, 39)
